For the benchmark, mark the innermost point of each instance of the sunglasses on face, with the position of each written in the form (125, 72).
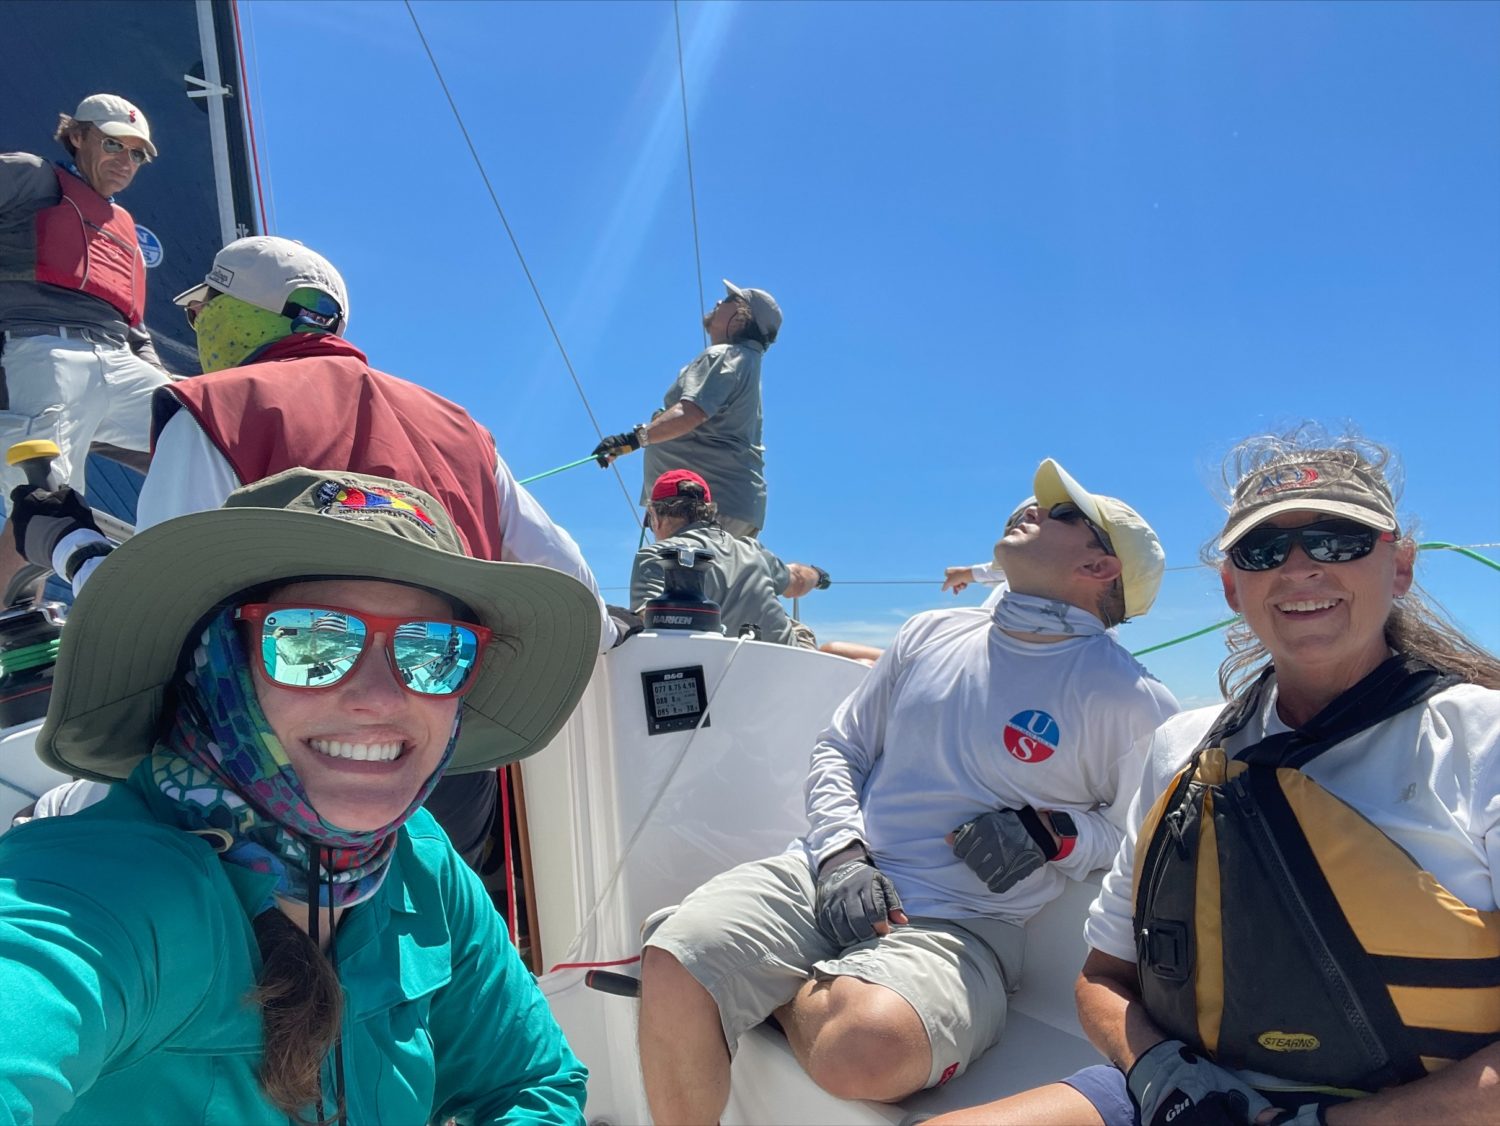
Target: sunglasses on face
(112, 147)
(194, 309)
(1328, 541)
(1069, 513)
(316, 647)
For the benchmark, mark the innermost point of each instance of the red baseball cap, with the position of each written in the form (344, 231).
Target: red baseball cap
(670, 483)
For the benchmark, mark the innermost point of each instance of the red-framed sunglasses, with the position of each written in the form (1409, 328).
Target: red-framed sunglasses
(316, 647)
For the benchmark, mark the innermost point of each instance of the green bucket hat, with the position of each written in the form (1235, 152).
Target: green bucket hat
(123, 642)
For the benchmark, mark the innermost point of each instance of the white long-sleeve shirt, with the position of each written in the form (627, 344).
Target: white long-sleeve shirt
(190, 474)
(958, 718)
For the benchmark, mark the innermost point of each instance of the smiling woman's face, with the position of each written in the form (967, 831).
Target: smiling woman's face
(363, 747)
(1321, 620)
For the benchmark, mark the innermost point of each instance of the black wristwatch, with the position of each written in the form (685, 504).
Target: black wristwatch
(1066, 829)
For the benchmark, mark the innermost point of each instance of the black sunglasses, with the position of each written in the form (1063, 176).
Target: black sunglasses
(1070, 513)
(1328, 541)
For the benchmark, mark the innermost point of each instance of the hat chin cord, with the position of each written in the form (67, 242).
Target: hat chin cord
(322, 860)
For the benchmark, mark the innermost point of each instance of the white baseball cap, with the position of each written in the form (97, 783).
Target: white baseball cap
(264, 271)
(113, 116)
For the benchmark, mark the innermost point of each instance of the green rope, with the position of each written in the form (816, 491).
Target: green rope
(29, 657)
(1186, 637)
(559, 469)
(1437, 545)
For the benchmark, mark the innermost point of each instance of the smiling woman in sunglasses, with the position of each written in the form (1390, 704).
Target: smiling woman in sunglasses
(259, 922)
(1301, 925)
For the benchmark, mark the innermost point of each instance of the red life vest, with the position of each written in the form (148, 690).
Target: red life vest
(87, 243)
(312, 400)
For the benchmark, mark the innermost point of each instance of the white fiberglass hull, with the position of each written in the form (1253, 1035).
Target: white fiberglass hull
(625, 822)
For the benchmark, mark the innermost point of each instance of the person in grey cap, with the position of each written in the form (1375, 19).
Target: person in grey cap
(77, 362)
(282, 387)
(711, 421)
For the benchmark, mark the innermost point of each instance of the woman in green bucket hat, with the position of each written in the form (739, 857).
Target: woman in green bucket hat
(260, 922)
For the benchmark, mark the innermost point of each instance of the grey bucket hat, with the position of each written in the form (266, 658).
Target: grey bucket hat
(123, 642)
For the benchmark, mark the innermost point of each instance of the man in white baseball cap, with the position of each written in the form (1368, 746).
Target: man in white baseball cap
(711, 421)
(78, 364)
(282, 388)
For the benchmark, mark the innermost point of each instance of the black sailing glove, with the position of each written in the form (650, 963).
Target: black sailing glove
(42, 517)
(1003, 846)
(616, 445)
(1169, 1084)
(852, 897)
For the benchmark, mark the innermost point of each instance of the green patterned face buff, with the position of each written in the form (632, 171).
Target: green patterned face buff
(229, 330)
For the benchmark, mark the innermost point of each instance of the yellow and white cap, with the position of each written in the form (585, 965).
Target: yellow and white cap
(1142, 560)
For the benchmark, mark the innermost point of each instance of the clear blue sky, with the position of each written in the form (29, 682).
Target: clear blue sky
(1121, 235)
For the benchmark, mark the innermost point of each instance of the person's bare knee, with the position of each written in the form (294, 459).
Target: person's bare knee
(863, 1041)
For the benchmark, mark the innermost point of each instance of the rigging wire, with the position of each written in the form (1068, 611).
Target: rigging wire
(687, 144)
(516, 246)
(255, 98)
(239, 45)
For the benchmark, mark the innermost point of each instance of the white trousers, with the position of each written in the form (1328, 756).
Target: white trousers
(74, 392)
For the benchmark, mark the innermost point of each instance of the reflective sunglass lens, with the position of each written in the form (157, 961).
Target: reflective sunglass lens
(435, 658)
(112, 147)
(310, 648)
(1341, 546)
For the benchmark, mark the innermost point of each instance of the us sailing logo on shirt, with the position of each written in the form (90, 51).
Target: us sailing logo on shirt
(1031, 736)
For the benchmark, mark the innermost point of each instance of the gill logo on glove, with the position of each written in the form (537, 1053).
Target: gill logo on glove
(1031, 736)
(1278, 1041)
(1178, 1109)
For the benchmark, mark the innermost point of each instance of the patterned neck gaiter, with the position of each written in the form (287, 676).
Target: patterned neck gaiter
(1044, 617)
(230, 330)
(227, 777)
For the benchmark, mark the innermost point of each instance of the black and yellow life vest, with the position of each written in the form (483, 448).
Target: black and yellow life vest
(1279, 930)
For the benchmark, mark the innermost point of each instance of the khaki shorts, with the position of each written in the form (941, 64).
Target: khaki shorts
(749, 937)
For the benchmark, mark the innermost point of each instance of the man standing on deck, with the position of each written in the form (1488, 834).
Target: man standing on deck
(711, 421)
(77, 362)
(282, 388)
(988, 757)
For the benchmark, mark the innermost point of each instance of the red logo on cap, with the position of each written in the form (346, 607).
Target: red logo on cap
(132, 117)
(1286, 478)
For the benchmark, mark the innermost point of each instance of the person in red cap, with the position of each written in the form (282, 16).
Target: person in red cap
(741, 578)
(78, 364)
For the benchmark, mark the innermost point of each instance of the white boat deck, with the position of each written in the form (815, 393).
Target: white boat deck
(625, 822)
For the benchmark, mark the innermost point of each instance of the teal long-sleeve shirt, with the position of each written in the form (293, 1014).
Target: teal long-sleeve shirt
(126, 956)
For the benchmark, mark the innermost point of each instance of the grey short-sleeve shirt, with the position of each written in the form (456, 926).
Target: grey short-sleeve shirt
(726, 450)
(739, 580)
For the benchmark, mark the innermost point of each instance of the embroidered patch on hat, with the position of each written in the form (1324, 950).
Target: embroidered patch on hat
(1287, 478)
(335, 499)
(220, 278)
